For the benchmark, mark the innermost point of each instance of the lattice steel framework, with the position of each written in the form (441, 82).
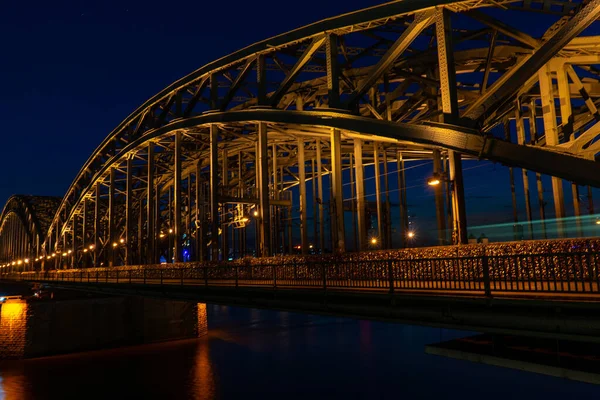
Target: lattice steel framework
(218, 152)
(23, 226)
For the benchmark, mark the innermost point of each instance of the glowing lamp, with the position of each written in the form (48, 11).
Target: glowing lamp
(433, 181)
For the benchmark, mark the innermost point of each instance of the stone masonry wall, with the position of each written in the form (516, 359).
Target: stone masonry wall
(39, 328)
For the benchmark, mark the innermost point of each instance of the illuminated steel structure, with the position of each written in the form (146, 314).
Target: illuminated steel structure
(23, 226)
(219, 151)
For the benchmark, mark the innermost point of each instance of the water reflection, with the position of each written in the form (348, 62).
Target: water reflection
(13, 328)
(266, 354)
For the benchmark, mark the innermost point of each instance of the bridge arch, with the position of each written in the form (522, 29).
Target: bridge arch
(23, 225)
(314, 106)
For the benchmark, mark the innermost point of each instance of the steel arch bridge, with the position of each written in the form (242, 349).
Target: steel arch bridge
(24, 223)
(228, 152)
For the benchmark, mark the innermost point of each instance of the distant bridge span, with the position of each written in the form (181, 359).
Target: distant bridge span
(267, 147)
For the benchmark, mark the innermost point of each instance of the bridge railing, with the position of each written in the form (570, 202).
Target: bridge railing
(568, 272)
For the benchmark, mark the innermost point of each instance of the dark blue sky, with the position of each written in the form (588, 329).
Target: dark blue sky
(73, 70)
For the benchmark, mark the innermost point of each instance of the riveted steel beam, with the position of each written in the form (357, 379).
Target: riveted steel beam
(306, 56)
(507, 85)
(422, 20)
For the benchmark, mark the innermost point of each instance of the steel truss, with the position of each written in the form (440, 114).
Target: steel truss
(219, 152)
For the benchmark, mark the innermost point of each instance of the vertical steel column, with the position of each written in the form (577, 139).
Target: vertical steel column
(360, 195)
(177, 198)
(303, 202)
(511, 178)
(377, 177)
(84, 232)
(224, 226)
(521, 140)
(199, 215)
(538, 176)
(159, 223)
(387, 221)
(129, 210)
(263, 190)
(320, 196)
(111, 218)
(275, 217)
(96, 225)
(402, 202)
(577, 208)
(139, 244)
(551, 135)
(439, 197)
(261, 80)
(567, 119)
(353, 203)
(338, 194)
(74, 243)
(450, 109)
(150, 209)
(333, 82)
(314, 201)
(214, 187)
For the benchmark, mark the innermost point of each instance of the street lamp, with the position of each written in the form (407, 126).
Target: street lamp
(436, 179)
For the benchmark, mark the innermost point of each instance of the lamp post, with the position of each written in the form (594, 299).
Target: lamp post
(435, 180)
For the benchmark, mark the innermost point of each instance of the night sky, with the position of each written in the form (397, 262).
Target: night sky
(73, 70)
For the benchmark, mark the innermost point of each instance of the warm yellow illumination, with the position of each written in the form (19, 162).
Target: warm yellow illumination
(26, 260)
(411, 234)
(36, 259)
(255, 213)
(115, 244)
(374, 241)
(14, 263)
(53, 254)
(433, 181)
(170, 230)
(64, 254)
(598, 222)
(85, 250)
(245, 219)
(162, 235)
(69, 252)
(310, 246)
(122, 240)
(19, 262)
(91, 247)
(47, 258)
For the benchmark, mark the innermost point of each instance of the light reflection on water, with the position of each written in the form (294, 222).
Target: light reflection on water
(268, 354)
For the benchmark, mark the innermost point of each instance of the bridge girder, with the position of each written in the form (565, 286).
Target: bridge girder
(381, 64)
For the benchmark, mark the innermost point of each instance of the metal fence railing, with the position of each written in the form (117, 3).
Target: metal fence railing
(569, 272)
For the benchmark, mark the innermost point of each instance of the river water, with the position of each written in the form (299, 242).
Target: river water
(258, 354)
